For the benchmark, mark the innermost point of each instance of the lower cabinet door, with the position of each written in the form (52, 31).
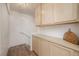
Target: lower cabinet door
(36, 45)
(57, 50)
(44, 48)
(75, 53)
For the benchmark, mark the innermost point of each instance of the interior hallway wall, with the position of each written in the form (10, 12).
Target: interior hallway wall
(21, 28)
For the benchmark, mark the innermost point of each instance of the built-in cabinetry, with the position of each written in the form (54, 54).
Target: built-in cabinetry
(44, 47)
(36, 45)
(40, 47)
(56, 13)
(59, 50)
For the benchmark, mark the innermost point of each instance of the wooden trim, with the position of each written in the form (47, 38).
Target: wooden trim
(60, 23)
(35, 53)
(41, 13)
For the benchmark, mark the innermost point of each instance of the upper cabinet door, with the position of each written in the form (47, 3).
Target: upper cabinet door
(65, 12)
(56, 13)
(38, 15)
(47, 14)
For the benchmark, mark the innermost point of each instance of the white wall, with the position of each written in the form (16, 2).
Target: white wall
(4, 17)
(59, 30)
(20, 26)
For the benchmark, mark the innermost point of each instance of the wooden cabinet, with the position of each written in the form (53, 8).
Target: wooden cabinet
(40, 47)
(65, 12)
(44, 14)
(58, 50)
(47, 14)
(38, 15)
(36, 45)
(44, 47)
(56, 13)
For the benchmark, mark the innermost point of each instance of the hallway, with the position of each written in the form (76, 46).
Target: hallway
(20, 50)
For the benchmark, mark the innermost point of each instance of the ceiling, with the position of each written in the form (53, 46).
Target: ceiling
(27, 8)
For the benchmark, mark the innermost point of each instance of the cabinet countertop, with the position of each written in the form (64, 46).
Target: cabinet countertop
(58, 41)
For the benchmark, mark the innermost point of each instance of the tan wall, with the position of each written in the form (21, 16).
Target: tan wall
(4, 17)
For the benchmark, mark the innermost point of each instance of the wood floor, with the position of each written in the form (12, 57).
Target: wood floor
(20, 50)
